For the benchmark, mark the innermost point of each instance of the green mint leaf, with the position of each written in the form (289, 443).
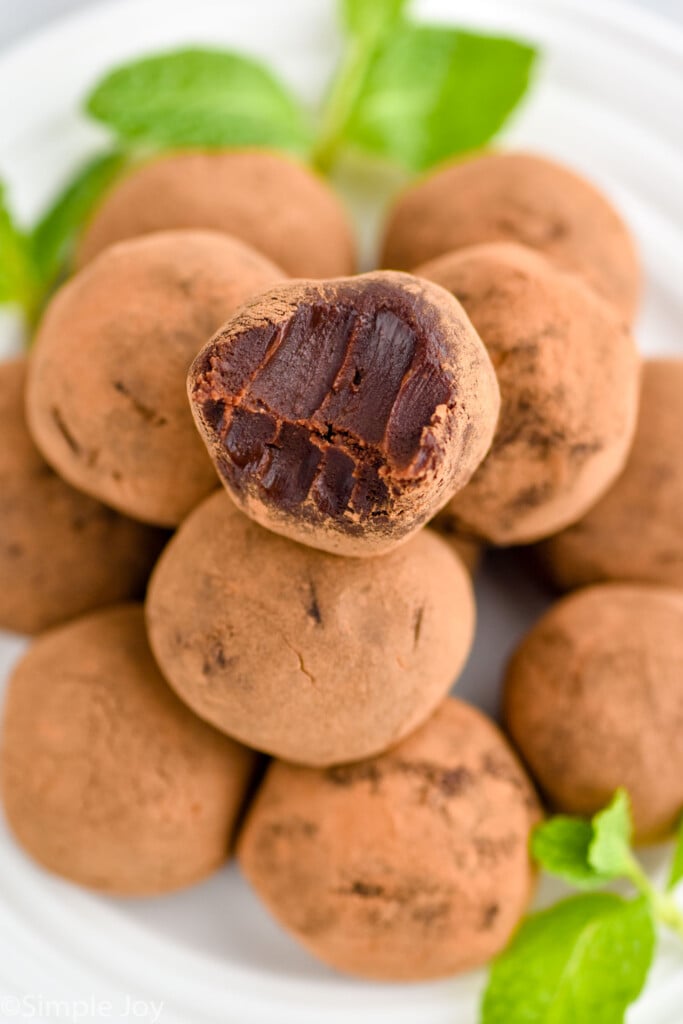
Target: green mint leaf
(676, 874)
(372, 18)
(55, 233)
(561, 847)
(199, 97)
(18, 278)
(610, 851)
(582, 961)
(432, 92)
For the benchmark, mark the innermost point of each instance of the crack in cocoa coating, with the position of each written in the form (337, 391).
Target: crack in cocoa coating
(148, 414)
(61, 426)
(417, 625)
(450, 780)
(401, 894)
(331, 409)
(313, 607)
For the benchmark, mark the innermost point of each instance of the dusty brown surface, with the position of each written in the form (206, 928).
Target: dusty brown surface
(344, 414)
(409, 866)
(568, 371)
(594, 701)
(107, 779)
(61, 552)
(303, 654)
(107, 403)
(517, 197)
(635, 532)
(269, 201)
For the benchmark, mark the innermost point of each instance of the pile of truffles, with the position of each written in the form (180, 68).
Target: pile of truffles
(243, 491)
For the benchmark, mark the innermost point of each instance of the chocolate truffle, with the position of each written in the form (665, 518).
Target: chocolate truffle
(107, 778)
(107, 403)
(517, 197)
(61, 552)
(344, 414)
(636, 531)
(296, 652)
(271, 202)
(413, 865)
(594, 701)
(568, 371)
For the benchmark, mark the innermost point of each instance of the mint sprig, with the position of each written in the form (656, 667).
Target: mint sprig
(32, 261)
(19, 284)
(199, 97)
(406, 94)
(610, 848)
(53, 237)
(433, 92)
(369, 21)
(413, 94)
(562, 845)
(676, 873)
(585, 959)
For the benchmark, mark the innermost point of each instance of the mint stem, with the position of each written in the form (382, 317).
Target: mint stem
(341, 101)
(663, 906)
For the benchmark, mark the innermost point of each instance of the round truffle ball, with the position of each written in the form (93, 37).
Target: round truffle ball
(413, 865)
(517, 197)
(344, 414)
(271, 202)
(61, 552)
(594, 701)
(307, 656)
(568, 371)
(107, 402)
(107, 778)
(636, 531)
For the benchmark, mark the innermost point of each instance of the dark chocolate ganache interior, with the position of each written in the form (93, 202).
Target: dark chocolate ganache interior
(329, 406)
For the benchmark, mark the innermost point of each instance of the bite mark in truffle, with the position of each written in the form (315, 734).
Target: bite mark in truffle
(331, 401)
(326, 407)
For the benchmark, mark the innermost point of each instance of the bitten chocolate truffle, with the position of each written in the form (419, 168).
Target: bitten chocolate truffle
(568, 370)
(107, 403)
(410, 866)
(344, 414)
(636, 531)
(594, 701)
(271, 202)
(304, 655)
(517, 197)
(61, 552)
(107, 778)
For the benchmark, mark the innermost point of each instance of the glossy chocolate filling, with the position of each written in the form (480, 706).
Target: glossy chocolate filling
(329, 406)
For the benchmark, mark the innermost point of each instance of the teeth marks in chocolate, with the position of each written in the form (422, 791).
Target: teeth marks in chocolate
(327, 405)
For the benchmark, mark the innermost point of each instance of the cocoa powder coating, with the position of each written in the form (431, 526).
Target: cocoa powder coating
(517, 197)
(61, 552)
(107, 778)
(568, 370)
(410, 866)
(299, 653)
(345, 413)
(635, 532)
(106, 396)
(267, 200)
(594, 701)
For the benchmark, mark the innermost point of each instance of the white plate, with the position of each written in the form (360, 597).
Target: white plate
(607, 100)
